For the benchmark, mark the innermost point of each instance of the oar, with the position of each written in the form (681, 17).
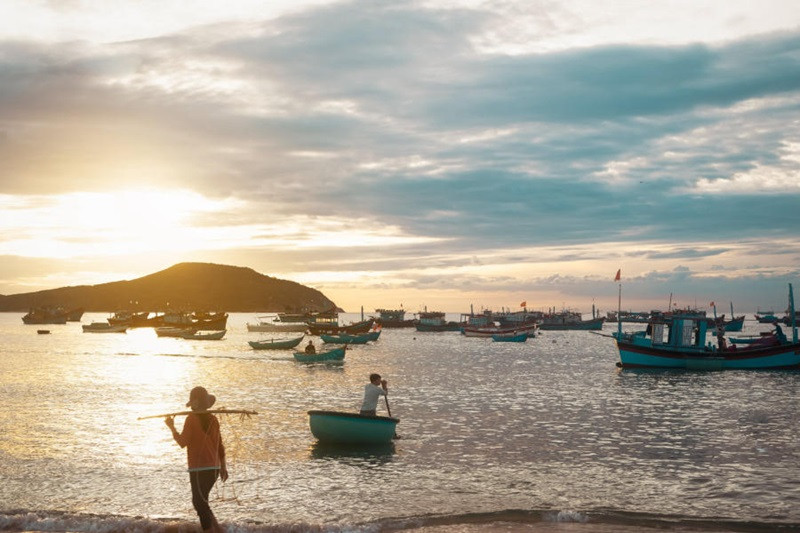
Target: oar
(386, 398)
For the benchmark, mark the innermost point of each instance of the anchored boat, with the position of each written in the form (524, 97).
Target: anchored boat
(337, 354)
(351, 428)
(684, 346)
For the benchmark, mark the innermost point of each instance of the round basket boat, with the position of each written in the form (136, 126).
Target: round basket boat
(351, 428)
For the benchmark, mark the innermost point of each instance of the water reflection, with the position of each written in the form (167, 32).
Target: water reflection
(367, 455)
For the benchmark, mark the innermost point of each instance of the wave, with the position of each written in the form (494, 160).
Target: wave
(527, 520)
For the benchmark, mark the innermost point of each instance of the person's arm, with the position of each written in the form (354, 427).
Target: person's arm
(181, 438)
(223, 466)
(384, 387)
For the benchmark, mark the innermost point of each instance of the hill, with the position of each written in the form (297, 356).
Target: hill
(189, 286)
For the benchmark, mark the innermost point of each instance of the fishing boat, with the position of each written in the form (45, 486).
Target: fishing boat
(685, 347)
(175, 331)
(520, 337)
(336, 354)
(345, 338)
(393, 318)
(569, 320)
(351, 428)
(356, 328)
(529, 329)
(205, 335)
(277, 326)
(45, 315)
(276, 344)
(103, 327)
(434, 321)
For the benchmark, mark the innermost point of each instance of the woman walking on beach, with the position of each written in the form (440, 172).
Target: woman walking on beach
(205, 453)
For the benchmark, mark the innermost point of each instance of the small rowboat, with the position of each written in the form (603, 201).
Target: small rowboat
(103, 327)
(351, 428)
(521, 337)
(276, 344)
(346, 338)
(205, 335)
(337, 354)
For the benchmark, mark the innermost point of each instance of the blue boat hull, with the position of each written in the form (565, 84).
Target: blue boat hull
(350, 428)
(275, 345)
(510, 338)
(337, 354)
(776, 357)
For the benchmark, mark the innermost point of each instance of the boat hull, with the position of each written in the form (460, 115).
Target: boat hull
(775, 357)
(337, 354)
(522, 337)
(585, 325)
(350, 339)
(276, 344)
(350, 428)
(278, 327)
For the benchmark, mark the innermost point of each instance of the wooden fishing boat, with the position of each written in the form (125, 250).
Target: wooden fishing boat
(345, 338)
(276, 344)
(521, 337)
(434, 321)
(529, 329)
(357, 328)
(45, 315)
(205, 335)
(570, 320)
(337, 354)
(104, 327)
(351, 428)
(685, 347)
(278, 327)
(393, 318)
(174, 331)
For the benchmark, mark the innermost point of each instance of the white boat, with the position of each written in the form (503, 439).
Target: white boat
(103, 327)
(281, 327)
(174, 331)
(206, 335)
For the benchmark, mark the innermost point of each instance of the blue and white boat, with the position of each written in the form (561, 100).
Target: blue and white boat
(336, 427)
(679, 342)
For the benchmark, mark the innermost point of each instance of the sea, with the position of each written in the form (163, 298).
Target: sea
(543, 436)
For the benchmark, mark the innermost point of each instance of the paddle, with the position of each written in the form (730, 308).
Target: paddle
(386, 398)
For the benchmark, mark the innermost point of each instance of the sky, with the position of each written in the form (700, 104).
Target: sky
(423, 154)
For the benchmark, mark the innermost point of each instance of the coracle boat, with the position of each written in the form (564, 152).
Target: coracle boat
(685, 347)
(276, 344)
(351, 428)
(337, 354)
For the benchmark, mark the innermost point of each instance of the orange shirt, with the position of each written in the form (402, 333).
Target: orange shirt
(204, 449)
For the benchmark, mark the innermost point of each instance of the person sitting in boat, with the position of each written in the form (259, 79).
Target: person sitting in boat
(372, 391)
(310, 348)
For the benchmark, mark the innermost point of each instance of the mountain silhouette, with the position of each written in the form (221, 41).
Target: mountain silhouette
(185, 286)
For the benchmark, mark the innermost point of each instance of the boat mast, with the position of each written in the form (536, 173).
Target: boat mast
(619, 312)
(794, 319)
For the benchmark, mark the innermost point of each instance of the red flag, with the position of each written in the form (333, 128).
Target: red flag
(711, 304)
(523, 304)
(616, 278)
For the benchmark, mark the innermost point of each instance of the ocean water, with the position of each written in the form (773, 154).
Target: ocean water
(543, 436)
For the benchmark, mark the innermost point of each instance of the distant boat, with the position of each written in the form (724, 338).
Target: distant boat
(45, 315)
(276, 344)
(103, 327)
(351, 428)
(277, 326)
(529, 329)
(43, 331)
(205, 335)
(174, 331)
(521, 337)
(569, 320)
(74, 315)
(337, 354)
(345, 338)
(685, 347)
(328, 328)
(434, 321)
(393, 318)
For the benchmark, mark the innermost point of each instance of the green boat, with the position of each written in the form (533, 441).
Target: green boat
(337, 354)
(276, 344)
(351, 428)
(346, 338)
